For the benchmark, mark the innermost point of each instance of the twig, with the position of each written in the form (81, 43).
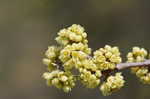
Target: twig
(133, 64)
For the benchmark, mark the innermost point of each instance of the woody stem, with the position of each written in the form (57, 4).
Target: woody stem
(133, 64)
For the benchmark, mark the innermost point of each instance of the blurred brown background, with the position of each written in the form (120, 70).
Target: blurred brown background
(27, 27)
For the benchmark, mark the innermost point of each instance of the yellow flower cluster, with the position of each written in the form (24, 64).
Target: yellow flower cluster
(73, 34)
(87, 64)
(112, 84)
(74, 53)
(51, 55)
(60, 79)
(107, 57)
(89, 79)
(139, 55)
(144, 75)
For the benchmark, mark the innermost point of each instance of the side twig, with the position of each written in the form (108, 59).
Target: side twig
(133, 64)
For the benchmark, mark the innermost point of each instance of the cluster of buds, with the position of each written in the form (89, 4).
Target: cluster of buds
(139, 55)
(72, 60)
(51, 56)
(73, 34)
(112, 84)
(107, 57)
(60, 79)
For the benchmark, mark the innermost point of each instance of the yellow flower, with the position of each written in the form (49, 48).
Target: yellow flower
(90, 80)
(139, 55)
(74, 33)
(113, 83)
(60, 79)
(107, 57)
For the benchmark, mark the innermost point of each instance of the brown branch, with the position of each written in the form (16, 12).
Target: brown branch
(133, 64)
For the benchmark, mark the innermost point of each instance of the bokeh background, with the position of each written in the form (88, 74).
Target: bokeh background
(27, 27)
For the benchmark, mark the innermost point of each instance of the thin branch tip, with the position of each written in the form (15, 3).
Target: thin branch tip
(133, 64)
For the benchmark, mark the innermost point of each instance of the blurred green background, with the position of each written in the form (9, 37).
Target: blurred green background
(27, 27)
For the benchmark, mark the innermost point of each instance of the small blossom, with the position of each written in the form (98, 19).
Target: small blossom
(139, 55)
(51, 54)
(60, 79)
(74, 33)
(107, 57)
(90, 80)
(112, 84)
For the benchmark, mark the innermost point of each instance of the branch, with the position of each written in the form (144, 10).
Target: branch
(133, 64)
